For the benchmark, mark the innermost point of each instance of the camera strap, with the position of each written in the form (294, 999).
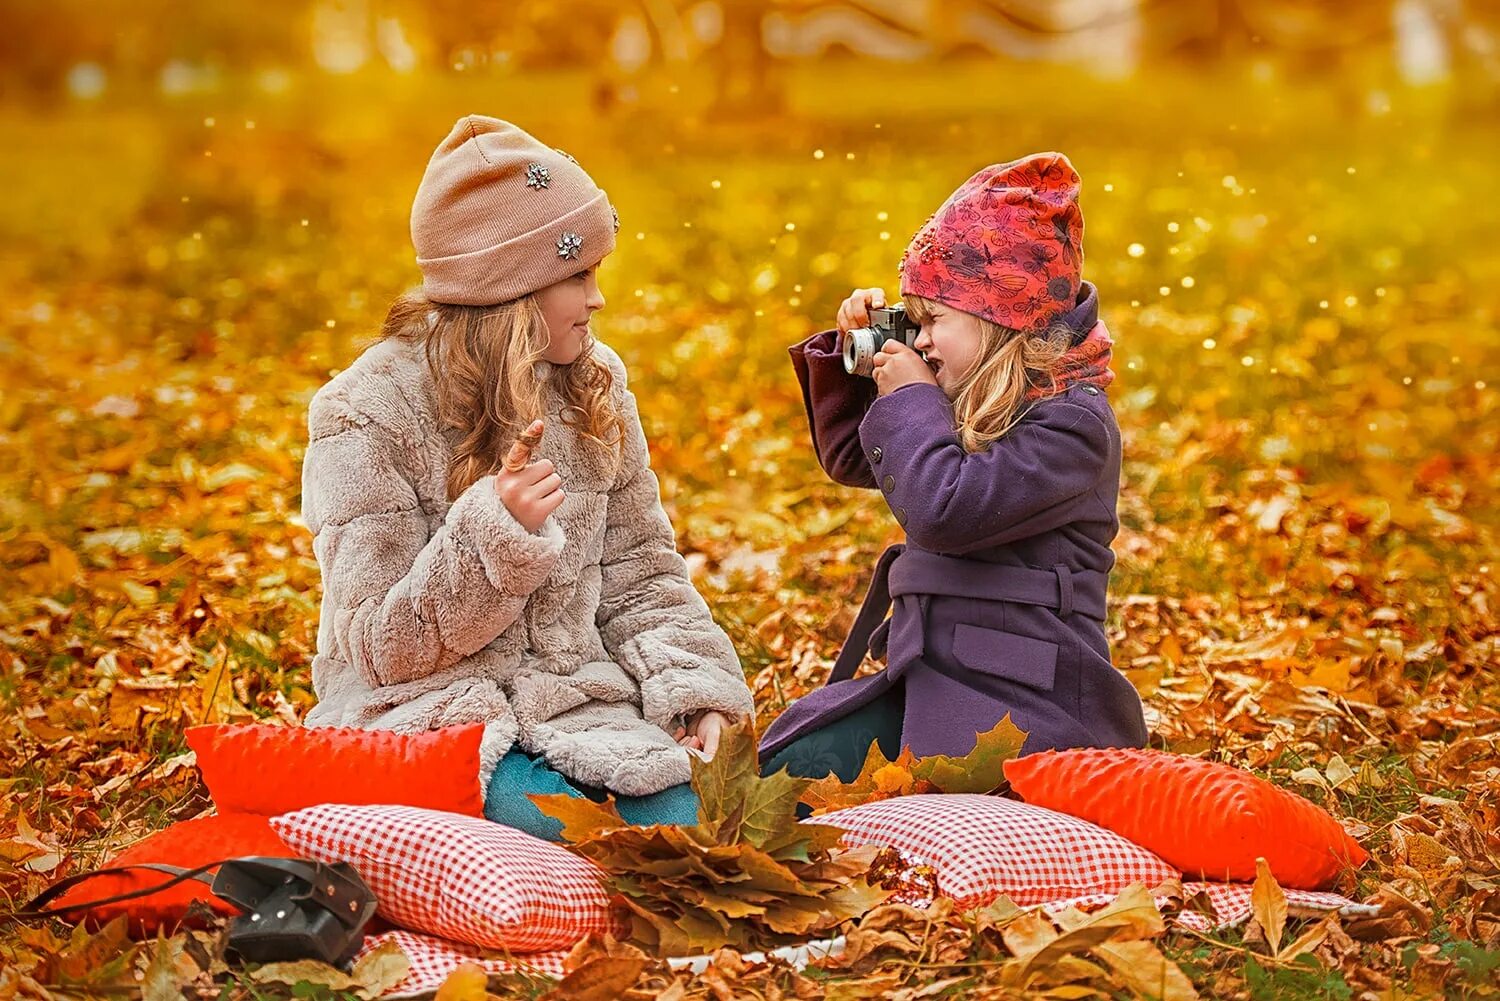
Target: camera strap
(35, 908)
(242, 881)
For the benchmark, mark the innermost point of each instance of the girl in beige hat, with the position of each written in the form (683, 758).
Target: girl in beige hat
(484, 513)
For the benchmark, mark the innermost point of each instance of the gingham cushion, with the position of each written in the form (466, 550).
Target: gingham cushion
(1231, 905)
(458, 877)
(433, 959)
(985, 846)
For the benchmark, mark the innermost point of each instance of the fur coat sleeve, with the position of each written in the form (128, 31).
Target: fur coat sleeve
(404, 605)
(651, 618)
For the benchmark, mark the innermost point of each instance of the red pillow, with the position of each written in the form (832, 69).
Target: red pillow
(265, 769)
(189, 844)
(1206, 818)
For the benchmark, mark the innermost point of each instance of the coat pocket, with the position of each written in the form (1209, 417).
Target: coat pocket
(1024, 659)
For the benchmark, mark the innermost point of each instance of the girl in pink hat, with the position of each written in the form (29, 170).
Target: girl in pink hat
(991, 439)
(489, 529)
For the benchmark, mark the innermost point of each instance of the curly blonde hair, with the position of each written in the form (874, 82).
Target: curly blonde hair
(991, 397)
(485, 364)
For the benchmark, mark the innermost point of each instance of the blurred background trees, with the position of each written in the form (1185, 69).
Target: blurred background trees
(54, 48)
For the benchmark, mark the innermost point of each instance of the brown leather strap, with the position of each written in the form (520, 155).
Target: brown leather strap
(35, 908)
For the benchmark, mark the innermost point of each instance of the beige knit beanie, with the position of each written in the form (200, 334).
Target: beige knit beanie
(499, 214)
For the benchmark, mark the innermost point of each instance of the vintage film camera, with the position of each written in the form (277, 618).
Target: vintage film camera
(886, 323)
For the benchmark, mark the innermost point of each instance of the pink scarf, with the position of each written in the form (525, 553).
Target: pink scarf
(1086, 362)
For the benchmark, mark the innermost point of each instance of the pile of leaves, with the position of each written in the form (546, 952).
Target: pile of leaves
(747, 875)
(750, 874)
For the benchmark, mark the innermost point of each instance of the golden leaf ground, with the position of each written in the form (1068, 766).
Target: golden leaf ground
(1303, 293)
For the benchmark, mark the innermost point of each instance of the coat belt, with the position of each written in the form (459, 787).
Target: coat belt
(901, 571)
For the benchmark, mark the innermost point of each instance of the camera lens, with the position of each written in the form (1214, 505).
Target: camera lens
(859, 352)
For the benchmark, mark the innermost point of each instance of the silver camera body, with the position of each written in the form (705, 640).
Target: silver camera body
(886, 323)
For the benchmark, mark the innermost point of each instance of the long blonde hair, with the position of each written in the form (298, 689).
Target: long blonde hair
(991, 396)
(485, 365)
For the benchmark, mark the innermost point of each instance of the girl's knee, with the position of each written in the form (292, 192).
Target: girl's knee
(673, 805)
(841, 746)
(517, 775)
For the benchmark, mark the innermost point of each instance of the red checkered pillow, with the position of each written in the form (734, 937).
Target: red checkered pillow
(985, 846)
(433, 961)
(457, 877)
(1231, 904)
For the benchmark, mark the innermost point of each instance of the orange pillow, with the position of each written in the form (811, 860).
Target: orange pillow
(1205, 818)
(189, 844)
(265, 769)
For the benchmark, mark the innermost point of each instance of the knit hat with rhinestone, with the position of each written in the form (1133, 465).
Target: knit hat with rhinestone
(1006, 246)
(500, 214)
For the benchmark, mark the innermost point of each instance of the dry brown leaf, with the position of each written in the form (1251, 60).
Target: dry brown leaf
(1142, 967)
(602, 979)
(1268, 906)
(468, 982)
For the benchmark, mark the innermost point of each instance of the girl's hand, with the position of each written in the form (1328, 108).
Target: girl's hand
(897, 365)
(703, 732)
(854, 311)
(529, 490)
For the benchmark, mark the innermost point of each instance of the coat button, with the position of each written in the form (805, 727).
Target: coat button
(890, 483)
(1091, 390)
(901, 516)
(875, 454)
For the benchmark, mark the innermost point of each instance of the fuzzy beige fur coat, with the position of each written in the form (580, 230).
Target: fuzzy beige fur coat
(584, 642)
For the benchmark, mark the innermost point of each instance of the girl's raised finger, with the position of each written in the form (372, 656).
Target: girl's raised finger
(846, 316)
(858, 308)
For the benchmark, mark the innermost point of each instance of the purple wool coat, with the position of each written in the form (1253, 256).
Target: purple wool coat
(999, 591)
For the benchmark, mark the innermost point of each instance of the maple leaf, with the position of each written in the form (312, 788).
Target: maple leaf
(748, 874)
(878, 778)
(979, 771)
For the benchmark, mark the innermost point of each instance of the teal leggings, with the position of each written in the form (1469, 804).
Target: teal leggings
(838, 749)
